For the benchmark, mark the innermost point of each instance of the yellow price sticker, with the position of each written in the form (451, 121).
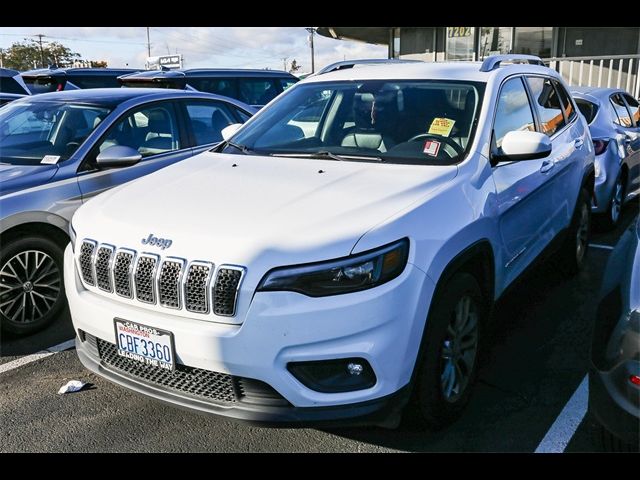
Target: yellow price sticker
(441, 126)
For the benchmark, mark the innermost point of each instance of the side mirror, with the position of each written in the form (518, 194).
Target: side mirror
(522, 145)
(229, 130)
(118, 156)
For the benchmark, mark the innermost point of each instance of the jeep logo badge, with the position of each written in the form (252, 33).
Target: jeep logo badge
(158, 242)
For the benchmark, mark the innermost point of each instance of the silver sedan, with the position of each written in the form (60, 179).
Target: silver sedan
(614, 121)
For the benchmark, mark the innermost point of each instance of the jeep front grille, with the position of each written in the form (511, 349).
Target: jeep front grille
(86, 261)
(169, 282)
(103, 273)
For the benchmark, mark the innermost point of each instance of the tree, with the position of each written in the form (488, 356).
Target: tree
(28, 54)
(98, 64)
(294, 66)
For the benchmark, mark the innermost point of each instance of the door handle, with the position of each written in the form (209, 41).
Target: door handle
(579, 142)
(547, 165)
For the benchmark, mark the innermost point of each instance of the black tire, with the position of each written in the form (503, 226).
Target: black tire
(605, 441)
(611, 218)
(573, 252)
(38, 287)
(431, 406)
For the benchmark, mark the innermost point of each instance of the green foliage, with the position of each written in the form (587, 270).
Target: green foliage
(27, 55)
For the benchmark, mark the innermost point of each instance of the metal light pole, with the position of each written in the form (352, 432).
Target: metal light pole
(311, 31)
(148, 44)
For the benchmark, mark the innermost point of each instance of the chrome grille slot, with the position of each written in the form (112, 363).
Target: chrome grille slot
(85, 259)
(101, 265)
(169, 278)
(196, 286)
(122, 268)
(144, 277)
(225, 291)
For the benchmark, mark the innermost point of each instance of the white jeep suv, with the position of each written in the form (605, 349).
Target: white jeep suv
(336, 259)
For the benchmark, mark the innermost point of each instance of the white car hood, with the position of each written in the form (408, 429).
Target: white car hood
(256, 211)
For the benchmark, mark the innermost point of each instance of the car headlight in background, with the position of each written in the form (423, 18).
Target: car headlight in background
(344, 275)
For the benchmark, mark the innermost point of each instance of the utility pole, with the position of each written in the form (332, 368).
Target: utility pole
(284, 63)
(148, 44)
(40, 35)
(311, 31)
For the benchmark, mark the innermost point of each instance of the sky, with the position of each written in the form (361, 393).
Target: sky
(237, 47)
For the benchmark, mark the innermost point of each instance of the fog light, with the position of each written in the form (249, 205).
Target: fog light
(332, 376)
(355, 368)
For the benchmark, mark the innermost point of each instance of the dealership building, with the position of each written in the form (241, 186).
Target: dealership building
(596, 56)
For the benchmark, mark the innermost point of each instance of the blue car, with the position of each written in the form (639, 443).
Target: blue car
(44, 80)
(614, 122)
(12, 87)
(58, 150)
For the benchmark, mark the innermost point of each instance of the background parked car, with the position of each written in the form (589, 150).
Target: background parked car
(614, 376)
(56, 79)
(614, 122)
(58, 150)
(12, 86)
(255, 87)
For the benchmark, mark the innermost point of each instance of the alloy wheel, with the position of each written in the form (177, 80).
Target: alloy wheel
(30, 284)
(459, 349)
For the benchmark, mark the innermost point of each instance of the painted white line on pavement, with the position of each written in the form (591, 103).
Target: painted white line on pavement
(5, 367)
(603, 247)
(562, 430)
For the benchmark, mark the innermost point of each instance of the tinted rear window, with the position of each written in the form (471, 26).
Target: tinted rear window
(588, 109)
(94, 81)
(9, 85)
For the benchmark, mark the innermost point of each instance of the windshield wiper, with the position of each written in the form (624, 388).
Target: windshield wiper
(324, 154)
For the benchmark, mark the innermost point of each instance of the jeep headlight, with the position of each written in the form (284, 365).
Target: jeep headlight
(72, 236)
(344, 275)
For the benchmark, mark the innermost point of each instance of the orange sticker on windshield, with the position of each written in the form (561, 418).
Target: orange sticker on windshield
(441, 126)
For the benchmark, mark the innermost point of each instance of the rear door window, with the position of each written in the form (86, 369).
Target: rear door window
(634, 109)
(547, 103)
(622, 116)
(257, 91)
(207, 119)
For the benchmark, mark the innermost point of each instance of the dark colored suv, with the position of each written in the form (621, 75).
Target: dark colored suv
(11, 86)
(254, 87)
(55, 79)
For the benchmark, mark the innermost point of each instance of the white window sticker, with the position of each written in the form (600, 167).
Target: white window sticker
(431, 148)
(50, 159)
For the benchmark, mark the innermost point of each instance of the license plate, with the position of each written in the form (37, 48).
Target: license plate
(148, 345)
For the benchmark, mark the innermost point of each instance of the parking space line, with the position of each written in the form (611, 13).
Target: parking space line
(562, 430)
(5, 367)
(603, 247)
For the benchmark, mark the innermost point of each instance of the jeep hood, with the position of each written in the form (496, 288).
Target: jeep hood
(256, 211)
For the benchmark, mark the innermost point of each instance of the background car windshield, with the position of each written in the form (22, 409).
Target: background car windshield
(416, 122)
(30, 131)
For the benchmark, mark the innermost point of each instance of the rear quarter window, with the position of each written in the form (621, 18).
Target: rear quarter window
(587, 108)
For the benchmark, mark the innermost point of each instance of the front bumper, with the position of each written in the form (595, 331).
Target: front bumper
(383, 325)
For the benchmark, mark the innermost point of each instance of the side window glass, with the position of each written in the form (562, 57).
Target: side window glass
(513, 112)
(547, 103)
(242, 115)
(634, 109)
(207, 121)
(285, 83)
(621, 116)
(149, 130)
(565, 101)
(257, 91)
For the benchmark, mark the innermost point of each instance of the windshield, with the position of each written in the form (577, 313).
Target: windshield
(45, 132)
(414, 122)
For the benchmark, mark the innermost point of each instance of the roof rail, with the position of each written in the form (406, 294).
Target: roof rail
(342, 65)
(494, 61)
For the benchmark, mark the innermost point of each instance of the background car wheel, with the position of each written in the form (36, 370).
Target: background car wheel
(607, 442)
(573, 252)
(448, 365)
(31, 285)
(612, 217)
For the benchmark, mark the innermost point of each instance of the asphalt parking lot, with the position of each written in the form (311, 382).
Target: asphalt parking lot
(530, 395)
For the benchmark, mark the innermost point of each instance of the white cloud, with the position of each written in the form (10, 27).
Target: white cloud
(242, 47)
